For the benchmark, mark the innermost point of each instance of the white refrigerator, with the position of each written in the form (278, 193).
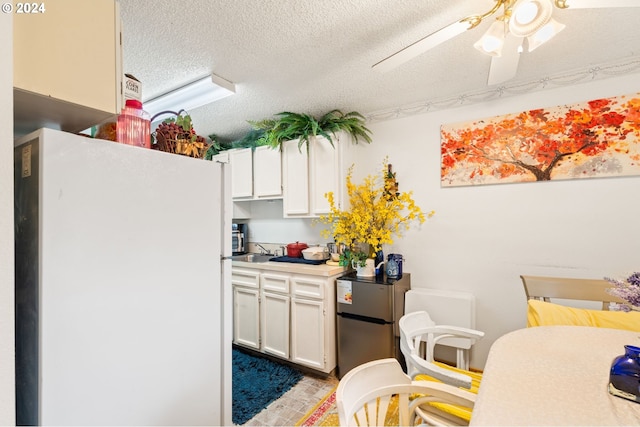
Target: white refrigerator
(122, 284)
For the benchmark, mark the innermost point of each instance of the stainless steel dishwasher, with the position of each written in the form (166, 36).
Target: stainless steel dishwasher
(368, 311)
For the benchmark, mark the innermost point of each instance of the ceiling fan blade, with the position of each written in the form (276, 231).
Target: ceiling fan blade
(591, 4)
(421, 46)
(504, 67)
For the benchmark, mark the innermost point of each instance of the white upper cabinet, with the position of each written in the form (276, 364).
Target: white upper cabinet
(67, 65)
(295, 177)
(256, 174)
(309, 176)
(267, 172)
(324, 174)
(241, 161)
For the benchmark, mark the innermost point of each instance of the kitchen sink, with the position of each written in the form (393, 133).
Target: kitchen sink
(252, 258)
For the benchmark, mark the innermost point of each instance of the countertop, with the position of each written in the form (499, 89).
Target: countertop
(286, 267)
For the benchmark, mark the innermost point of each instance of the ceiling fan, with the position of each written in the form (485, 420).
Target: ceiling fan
(518, 21)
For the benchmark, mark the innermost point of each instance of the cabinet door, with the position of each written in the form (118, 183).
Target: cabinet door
(295, 174)
(307, 332)
(241, 172)
(67, 64)
(275, 324)
(267, 172)
(324, 170)
(246, 317)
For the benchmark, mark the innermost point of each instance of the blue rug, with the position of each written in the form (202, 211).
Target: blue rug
(257, 382)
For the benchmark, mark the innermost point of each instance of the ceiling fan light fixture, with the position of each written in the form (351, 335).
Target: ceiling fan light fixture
(544, 34)
(529, 16)
(526, 13)
(492, 41)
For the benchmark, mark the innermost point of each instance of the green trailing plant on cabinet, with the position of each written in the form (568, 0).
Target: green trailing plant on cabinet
(289, 126)
(254, 138)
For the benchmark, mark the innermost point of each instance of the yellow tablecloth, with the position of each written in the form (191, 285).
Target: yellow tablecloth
(554, 375)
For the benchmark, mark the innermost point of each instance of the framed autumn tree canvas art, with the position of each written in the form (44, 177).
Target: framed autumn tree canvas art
(599, 138)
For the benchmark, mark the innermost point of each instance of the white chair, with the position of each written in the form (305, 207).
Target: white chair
(416, 328)
(418, 337)
(366, 396)
(446, 307)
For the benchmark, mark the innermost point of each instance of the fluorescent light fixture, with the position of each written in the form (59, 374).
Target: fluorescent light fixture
(192, 95)
(492, 41)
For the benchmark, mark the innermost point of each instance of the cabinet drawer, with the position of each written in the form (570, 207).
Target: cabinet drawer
(246, 278)
(275, 282)
(308, 287)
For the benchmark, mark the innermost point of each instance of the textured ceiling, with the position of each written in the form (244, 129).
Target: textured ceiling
(314, 56)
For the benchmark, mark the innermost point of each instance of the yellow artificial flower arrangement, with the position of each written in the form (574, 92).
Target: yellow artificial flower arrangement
(377, 211)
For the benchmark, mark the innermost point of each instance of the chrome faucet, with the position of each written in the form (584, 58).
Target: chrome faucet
(263, 250)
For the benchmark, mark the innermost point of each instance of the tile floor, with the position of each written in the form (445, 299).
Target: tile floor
(296, 402)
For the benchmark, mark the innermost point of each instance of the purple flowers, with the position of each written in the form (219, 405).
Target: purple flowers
(627, 289)
(634, 279)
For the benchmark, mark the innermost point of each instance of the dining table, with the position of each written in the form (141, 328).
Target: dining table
(554, 376)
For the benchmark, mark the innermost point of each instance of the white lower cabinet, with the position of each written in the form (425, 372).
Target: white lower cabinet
(274, 324)
(246, 308)
(307, 332)
(296, 316)
(308, 321)
(246, 323)
(274, 314)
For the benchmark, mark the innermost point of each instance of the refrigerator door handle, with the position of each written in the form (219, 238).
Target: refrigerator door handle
(363, 318)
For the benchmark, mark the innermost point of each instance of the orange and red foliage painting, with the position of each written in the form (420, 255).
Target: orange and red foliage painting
(594, 139)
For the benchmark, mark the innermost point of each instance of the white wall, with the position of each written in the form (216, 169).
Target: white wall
(482, 238)
(267, 225)
(7, 394)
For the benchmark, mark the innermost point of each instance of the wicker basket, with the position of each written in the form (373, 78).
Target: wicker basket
(180, 144)
(179, 141)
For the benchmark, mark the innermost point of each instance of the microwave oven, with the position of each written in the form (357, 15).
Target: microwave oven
(238, 239)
